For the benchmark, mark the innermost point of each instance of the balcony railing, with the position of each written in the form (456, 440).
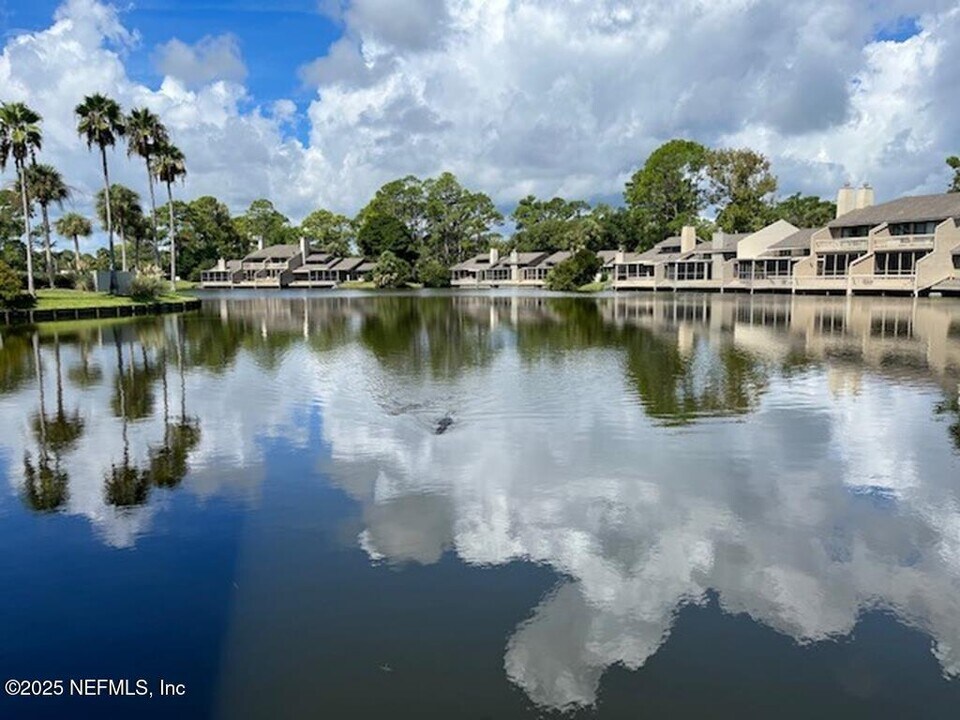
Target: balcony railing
(903, 242)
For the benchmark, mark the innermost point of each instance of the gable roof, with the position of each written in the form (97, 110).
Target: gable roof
(274, 251)
(916, 208)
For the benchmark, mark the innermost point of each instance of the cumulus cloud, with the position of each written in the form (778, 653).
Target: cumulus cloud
(210, 58)
(524, 97)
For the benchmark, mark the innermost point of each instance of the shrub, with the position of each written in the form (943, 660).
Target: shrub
(10, 287)
(578, 269)
(146, 288)
(85, 282)
(391, 271)
(433, 274)
(67, 281)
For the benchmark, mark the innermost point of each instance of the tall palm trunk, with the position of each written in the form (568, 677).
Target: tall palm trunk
(123, 245)
(26, 225)
(113, 258)
(153, 215)
(76, 253)
(173, 242)
(46, 243)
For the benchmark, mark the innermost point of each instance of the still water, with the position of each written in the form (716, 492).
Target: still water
(487, 506)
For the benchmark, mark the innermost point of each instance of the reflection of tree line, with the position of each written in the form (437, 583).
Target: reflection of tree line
(46, 481)
(677, 373)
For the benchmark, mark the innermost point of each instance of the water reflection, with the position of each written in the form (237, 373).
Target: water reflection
(794, 458)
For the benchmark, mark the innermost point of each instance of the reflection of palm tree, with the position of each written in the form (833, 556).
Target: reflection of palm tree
(63, 429)
(85, 375)
(45, 485)
(168, 463)
(125, 484)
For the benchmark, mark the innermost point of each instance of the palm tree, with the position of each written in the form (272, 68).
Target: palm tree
(48, 187)
(145, 135)
(100, 121)
(75, 226)
(20, 136)
(125, 211)
(169, 166)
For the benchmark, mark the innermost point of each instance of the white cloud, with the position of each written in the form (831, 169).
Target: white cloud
(523, 96)
(210, 58)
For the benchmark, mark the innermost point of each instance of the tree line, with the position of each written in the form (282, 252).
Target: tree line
(101, 122)
(415, 228)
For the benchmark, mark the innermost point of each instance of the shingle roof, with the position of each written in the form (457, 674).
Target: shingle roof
(524, 258)
(916, 208)
(477, 262)
(557, 257)
(274, 251)
(347, 264)
(798, 241)
(607, 256)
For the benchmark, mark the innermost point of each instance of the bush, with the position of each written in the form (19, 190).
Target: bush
(85, 282)
(66, 281)
(10, 287)
(391, 271)
(146, 288)
(577, 270)
(433, 274)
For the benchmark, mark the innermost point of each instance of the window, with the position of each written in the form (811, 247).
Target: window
(857, 231)
(898, 263)
(835, 264)
(914, 228)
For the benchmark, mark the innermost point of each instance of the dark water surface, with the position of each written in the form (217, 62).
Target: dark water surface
(487, 506)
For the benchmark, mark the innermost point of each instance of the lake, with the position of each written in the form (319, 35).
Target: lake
(486, 505)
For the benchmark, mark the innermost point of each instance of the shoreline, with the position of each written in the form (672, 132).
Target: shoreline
(31, 316)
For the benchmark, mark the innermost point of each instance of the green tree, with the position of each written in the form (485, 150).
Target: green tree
(547, 225)
(145, 136)
(403, 199)
(805, 211)
(328, 232)
(169, 165)
(391, 271)
(73, 225)
(954, 162)
(432, 273)
(617, 229)
(47, 186)
(126, 215)
(385, 233)
(206, 232)
(100, 122)
(574, 272)
(262, 221)
(10, 288)
(742, 188)
(458, 222)
(668, 191)
(21, 137)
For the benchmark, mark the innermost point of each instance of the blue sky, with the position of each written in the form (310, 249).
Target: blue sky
(522, 97)
(276, 37)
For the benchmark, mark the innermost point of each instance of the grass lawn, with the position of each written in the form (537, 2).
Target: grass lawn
(73, 299)
(594, 287)
(358, 285)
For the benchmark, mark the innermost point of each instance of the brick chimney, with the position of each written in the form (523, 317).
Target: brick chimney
(304, 249)
(688, 238)
(864, 197)
(494, 256)
(260, 242)
(846, 200)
